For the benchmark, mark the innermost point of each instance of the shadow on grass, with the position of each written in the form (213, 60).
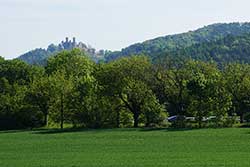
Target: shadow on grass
(71, 130)
(14, 131)
(166, 129)
(66, 130)
(246, 125)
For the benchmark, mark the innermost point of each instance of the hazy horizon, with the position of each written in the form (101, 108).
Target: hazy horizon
(106, 24)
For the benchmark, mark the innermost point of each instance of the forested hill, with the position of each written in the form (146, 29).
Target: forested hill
(225, 50)
(219, 42)
(171, 43)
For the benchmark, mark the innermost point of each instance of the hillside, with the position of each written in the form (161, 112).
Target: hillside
(227, 49)
(171, 43)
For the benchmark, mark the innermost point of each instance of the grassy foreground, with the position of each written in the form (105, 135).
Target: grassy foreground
(126, 147)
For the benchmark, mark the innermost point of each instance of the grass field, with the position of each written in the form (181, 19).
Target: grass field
(126, 148)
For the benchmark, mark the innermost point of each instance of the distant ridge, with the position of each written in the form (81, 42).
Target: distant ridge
(170, 43)
(180, 44)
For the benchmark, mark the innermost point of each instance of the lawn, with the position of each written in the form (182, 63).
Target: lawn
(126, 148)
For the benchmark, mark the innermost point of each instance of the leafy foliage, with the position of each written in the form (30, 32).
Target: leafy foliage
(132, 91)
(225, 50)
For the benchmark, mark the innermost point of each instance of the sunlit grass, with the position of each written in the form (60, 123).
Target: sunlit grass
(126, 147)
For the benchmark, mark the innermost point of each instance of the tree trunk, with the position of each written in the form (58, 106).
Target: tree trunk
(241, 118)
(199, 123)
(136, 120)
(45, 121)
(118, 119)
(200, 112)
(62, 113)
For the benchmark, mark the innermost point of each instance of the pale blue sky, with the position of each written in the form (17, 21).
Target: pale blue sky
(107, 24)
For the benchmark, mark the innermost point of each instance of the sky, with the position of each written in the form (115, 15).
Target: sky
(107, 24)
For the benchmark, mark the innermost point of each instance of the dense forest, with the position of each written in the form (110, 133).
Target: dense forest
(73, 90)
(172, 43)
(225, 50)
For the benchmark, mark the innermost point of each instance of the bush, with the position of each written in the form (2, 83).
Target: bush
(246, 117)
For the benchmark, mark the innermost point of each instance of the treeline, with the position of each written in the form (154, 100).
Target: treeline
(129, 92)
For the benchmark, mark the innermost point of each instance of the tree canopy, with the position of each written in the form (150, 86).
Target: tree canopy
(132, 91)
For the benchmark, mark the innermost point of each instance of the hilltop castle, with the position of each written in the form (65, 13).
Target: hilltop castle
(71, 44)
(68, 44)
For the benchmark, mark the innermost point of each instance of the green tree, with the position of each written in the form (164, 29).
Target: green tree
(62, 89)
(73, 62)
(126, 80)
(72, 84)
(1, 59)
(15, 77)
(237, 77)
(205, 91)
(39, 95)
(170, 84)
(15, 112)
(16, 71)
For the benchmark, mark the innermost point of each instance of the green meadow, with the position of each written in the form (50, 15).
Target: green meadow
(126, 147)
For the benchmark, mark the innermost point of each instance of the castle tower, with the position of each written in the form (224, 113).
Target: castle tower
(74, 42)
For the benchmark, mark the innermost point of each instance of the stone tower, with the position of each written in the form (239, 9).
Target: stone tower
(74, 42)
